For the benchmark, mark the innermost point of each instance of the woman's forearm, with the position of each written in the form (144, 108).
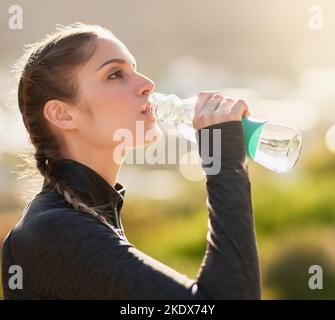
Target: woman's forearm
(230, 268)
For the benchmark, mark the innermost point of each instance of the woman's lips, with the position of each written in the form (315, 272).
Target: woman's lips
(146, 109)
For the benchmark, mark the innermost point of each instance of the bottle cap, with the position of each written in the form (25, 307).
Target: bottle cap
(252, 132)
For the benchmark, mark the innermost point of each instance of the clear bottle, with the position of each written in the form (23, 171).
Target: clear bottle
(273, 145)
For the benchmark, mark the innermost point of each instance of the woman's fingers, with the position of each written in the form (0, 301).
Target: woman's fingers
(225, 106)
(203, 97)
(212, 108)
(212, 103)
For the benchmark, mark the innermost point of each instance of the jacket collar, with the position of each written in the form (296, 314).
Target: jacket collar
(91, 187)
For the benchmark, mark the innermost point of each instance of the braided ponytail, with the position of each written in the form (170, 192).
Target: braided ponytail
(41, 163)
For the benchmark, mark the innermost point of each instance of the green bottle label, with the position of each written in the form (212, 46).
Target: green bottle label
(252, 133)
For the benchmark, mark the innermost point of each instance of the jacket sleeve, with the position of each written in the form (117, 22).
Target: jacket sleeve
(81, 258)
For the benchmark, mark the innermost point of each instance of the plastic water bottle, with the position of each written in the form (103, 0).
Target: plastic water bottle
(273, 145)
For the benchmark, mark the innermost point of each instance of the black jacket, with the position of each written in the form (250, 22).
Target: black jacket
(68, 254)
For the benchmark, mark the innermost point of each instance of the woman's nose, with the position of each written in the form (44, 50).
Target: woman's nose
(147, 86)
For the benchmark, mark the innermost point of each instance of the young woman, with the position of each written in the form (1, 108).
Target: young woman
(77, 87)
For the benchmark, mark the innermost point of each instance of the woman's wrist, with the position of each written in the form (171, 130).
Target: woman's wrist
(221, 145)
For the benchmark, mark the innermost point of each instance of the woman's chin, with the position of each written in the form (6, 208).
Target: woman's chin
(152, 135)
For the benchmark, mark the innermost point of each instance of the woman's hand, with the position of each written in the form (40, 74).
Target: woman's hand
(212, 107)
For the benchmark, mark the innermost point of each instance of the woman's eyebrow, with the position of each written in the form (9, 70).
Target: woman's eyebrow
(115, 60)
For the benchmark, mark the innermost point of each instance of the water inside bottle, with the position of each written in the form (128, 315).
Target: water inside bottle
(279, 154)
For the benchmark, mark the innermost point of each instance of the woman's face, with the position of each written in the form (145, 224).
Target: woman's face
(112, 98)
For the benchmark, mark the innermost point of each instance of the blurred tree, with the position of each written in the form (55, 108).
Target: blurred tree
(287, 275)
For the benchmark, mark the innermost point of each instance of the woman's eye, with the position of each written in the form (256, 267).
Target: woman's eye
(113, 76)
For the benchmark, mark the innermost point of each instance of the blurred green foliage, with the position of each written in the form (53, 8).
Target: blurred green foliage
(285, 276)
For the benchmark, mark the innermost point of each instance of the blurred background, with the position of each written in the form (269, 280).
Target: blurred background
(277, 55)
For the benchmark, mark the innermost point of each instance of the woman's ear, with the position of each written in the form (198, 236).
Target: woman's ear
(59, 114)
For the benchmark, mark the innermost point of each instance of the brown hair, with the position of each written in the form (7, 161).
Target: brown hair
(47, 71)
